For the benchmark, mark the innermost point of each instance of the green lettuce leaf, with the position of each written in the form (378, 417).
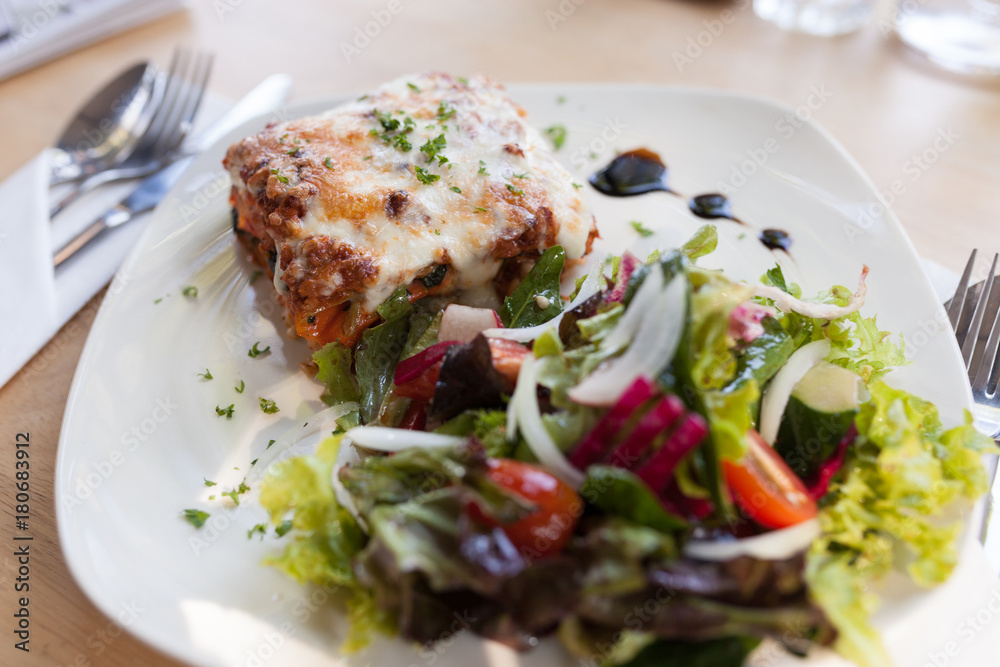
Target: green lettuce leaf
(487, 426)
(334, 363)
(704, 242)
(521, 308)
(380, 349)
(619, 492)
(905, 471)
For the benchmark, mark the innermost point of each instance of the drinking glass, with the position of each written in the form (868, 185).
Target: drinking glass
(960, 36)
(816, 17)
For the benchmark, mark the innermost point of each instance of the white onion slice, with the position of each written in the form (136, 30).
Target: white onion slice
(651, 350)
(285, 446)
(642, 302)
(775, 545)
(825, 311)
(775, 398)
(529, 420)
(346, 455)
(593, 284)
(385, 439)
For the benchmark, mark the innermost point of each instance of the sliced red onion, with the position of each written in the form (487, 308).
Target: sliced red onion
(775, 398)
(659, 469)
(661, 417)
(593, 284)
(594, 445)
(412, 367)
(776, 545)
(653, 347)
(385, 439)
(627, 266)
(463, 323)
(293, 441)
(825, 311)
(529, 423)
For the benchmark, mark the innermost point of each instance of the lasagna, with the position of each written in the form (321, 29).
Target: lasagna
(433, 183)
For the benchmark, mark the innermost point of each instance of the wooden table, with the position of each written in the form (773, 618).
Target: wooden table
(886, 110)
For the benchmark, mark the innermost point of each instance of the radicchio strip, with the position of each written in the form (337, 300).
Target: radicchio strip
(820, 483)
(410, 368)
(653, 423)
(627, 266)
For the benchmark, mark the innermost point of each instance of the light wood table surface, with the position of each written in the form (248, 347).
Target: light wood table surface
(885, 109)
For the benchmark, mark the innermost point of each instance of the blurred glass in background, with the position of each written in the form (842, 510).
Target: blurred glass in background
(816, 17)
(960, 36)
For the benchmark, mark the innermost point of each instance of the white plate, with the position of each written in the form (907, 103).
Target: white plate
(141, 432)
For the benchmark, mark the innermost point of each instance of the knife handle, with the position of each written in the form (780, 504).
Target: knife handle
(116, 216)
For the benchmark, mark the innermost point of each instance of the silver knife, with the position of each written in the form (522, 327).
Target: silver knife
(267, 96)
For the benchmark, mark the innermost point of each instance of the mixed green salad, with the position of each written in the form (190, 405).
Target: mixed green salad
(666, 470)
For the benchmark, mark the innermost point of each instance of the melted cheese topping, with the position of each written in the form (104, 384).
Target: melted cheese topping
(500, 192)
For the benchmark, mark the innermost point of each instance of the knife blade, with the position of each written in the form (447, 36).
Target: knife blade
(267, 96)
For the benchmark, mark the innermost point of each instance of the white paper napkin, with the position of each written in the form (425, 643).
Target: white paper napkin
(36, 299)
(45, 29)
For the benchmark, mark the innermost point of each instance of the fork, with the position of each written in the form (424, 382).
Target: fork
(186, 81)
(982, 359)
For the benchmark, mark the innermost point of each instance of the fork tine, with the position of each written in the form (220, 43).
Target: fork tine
(958, 301)
(972, 337)
(199, 75)
(158, 124)
(173, 112)
(990, 357)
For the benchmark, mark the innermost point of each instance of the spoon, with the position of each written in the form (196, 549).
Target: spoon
(107, 128)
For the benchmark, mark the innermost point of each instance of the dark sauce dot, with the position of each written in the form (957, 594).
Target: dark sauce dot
(711, 206)
(632, 173)
(776, 239)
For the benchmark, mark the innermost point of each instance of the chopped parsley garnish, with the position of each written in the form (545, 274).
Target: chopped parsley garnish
(269, 443)
(577, 186)
(401, 142)
(283, 527)
(521, 176)
(412, 87)
(444, 111)
(329, 163)
(207, 374)
(561, 99)
(389, 124)
(283, 179)
(268, 406)
(433, 147)
(293, 151)
(482, 168)
(259, 528)
(392, 125)
(208, 482)
(255, 351)
(196, 518)
(557, 135)
(225, 412)
(239, 389)
(425, 176)
(367, 157)
(437, 232)
(455, 189)
(156, 301)
(237, 492)
(253, 463)
(190, 291)
(464, 81)
(362, 98)
(255, 275)
(480, 209)
(516, 191)
(641, 228)
(281, 139)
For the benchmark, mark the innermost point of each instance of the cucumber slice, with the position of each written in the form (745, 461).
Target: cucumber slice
(819, 413)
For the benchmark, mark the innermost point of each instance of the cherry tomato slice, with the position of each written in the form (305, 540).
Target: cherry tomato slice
(766, 489)
(546, 530)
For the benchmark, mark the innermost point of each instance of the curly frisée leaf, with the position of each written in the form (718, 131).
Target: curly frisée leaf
(334, 364)
(905, 470)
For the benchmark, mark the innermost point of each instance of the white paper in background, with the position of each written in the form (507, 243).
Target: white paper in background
(35, 299)
(39, 30)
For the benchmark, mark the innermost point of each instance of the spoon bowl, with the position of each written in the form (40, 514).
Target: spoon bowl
(108, 127)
